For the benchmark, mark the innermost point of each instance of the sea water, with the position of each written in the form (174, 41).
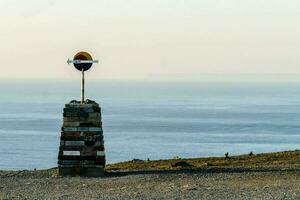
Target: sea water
(155, 120)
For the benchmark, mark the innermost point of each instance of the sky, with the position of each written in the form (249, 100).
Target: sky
(152, 39)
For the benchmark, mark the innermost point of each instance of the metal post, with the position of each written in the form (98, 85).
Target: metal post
(82, 86)
(82, 61)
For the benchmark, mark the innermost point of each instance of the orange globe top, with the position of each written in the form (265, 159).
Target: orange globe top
(83, 56)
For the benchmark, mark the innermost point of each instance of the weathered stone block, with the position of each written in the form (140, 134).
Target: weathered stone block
(81, 171)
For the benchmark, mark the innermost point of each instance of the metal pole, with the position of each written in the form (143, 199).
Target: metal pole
(82, 86)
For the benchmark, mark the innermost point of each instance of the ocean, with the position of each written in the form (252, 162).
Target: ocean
(155, 120)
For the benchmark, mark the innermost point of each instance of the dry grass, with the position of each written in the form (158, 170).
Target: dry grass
(279, 160)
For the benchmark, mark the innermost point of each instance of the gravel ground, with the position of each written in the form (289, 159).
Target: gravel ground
(242, 185)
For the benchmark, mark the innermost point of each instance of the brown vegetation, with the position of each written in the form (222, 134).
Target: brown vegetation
(279, 160)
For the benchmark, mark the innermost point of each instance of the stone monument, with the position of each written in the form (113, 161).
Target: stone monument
(81, 150)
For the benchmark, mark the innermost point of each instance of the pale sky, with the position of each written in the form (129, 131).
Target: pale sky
(151, 39)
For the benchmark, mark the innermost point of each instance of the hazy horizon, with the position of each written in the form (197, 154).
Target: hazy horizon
(191, 40)
(204, 78)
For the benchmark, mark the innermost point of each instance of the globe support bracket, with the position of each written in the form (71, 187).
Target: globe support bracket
(82, 61)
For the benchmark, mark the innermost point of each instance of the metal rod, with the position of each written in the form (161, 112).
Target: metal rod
(82, 86)
(82, 61)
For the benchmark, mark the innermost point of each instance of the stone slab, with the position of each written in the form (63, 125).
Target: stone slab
(98, 159)
(95, 129)
(81, 171)
(70, 129)
(81, 148)
(67, 163)
(71, 105)
(70, 124)
(94, 115)
(73, 143)
(100, 153)
(81, 129)
(71, 153)
(77, 135)
(71, 119)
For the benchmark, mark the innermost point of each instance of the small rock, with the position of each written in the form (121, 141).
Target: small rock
(207, 164)
(137, 160)
(182, 164)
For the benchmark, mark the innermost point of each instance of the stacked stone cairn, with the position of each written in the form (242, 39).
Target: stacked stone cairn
(81, 150)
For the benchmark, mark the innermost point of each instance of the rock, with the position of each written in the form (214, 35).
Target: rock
(182, 164)
(137, 160)
(207, 164)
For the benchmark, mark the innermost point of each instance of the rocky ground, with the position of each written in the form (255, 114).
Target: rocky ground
(260, 176)
(276, 184)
